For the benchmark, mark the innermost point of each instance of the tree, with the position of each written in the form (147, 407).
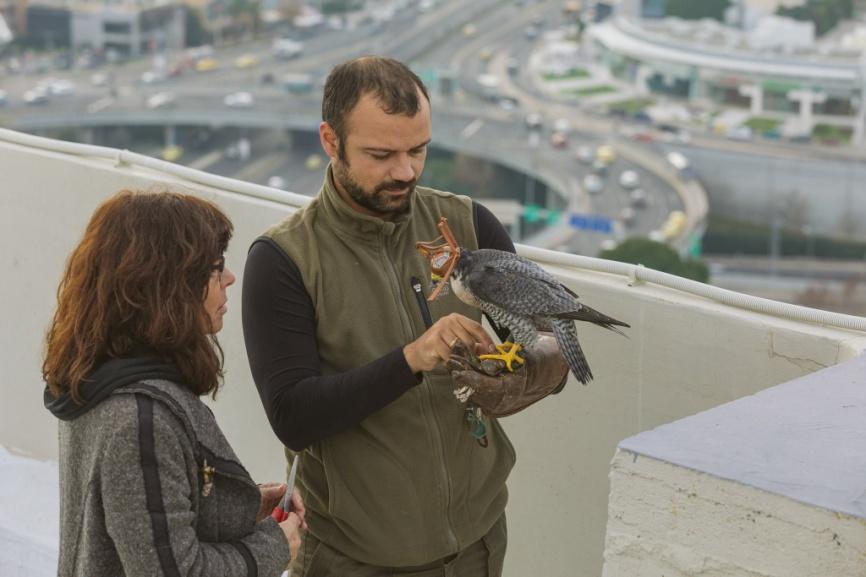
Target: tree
(195, 32)
(657, 256)
(245, 15)
(824, 13)
(697, 9)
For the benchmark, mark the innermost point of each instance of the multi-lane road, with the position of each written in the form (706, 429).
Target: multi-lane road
(803, 185)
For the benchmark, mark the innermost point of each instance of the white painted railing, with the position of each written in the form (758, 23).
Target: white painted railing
(691, 346)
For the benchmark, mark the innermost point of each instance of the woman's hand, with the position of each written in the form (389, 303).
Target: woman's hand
(271, 495)
(291, 529)
(297, 507)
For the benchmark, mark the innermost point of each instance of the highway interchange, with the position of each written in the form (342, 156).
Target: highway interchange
(435, 43)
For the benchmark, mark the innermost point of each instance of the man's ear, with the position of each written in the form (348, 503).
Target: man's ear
(330, 142)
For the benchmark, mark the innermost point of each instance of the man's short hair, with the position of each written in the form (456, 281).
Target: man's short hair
(390, 81)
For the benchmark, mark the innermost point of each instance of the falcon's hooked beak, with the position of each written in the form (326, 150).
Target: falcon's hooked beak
(443, 254)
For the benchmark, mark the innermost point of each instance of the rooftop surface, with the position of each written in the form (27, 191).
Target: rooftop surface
(805, 439)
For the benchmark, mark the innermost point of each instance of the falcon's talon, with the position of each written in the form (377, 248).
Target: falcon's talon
(507, 354)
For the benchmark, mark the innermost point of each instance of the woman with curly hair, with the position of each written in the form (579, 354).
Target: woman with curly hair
(148, 483)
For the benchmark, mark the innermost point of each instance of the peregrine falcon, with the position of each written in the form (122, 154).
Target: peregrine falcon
(515, 293)
(518, 294)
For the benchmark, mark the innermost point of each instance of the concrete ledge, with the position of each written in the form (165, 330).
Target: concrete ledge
(773, 484)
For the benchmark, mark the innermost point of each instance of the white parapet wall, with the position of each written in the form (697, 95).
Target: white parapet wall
(770, 485)
(690, 348)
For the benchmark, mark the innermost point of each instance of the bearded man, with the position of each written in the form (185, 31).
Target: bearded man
(350, 363)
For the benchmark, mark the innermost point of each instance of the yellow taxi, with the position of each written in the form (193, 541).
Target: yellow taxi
(172, 153)
(206, 65)
(246, 61)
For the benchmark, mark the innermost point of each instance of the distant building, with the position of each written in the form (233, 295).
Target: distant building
(127, 30)
(5, 32)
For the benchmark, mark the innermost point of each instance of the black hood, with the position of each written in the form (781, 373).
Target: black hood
(109, 376)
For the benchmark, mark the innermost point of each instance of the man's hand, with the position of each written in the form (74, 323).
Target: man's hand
(499, 392)
(434, 347)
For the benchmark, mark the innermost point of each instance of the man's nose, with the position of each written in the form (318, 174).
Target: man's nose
(402, 169)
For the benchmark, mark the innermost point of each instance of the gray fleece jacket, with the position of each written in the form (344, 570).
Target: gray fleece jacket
(150, 486)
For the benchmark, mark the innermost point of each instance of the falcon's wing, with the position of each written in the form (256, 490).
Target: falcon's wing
(518, 285)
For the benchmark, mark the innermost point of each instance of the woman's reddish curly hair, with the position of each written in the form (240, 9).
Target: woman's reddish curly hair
(137, 280)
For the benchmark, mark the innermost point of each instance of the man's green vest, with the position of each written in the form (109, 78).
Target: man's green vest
(409, 484)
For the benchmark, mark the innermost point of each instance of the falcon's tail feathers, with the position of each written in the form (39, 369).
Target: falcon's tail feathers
(590, 315)
(566, 338)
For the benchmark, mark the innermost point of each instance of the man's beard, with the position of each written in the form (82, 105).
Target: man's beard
(379, 202)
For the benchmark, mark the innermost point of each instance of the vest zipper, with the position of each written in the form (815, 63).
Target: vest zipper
(410, 334)
(422, 301)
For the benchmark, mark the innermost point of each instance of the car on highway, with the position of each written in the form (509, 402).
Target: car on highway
(160, 100)
(608, 244)
(657, 236)
(681, 164)
(198, 52)
(246, 61)
(600, 167)
(512, 66)
(562, 125)
(508, 103)
(286, 49)
(533, 121)
(298, 82)
(207, 65)
(638, 198)
(277, 182)
(313, 162)
(629, 179)
(38, 95)
(56, 87)
(584, 154)
(674, 225)
(627, 216)
(485, 54)
(3, 98)
(152, 77)
(559, 139)
(741, 132)
(605, 154)
(488, 85)
(172, 153)
(469, 30)
(239, 100)
(593, 184)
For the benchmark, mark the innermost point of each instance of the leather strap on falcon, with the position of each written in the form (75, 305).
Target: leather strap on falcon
(443, 252)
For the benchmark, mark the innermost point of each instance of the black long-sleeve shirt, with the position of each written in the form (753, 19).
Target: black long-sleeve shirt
(303, 405)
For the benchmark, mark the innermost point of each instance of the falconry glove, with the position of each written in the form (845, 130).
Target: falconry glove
(499, 392)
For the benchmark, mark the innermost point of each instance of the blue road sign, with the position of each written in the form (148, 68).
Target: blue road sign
(591, 222)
